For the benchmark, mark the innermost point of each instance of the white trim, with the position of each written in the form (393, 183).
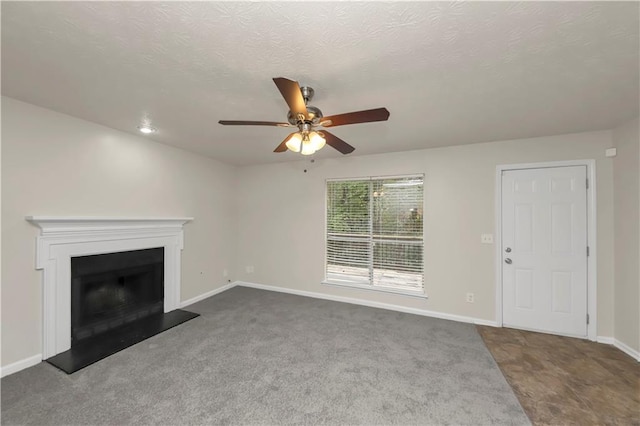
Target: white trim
(488, 323)
(537, 330)
(368, 178)
(62, 238)
(36, 359)
(627, 349)
(605, 340)
(421, 294)
(618, 344)
(388, 306)
(206, 295)
(591, 236)
(75, 224)
(20, 365)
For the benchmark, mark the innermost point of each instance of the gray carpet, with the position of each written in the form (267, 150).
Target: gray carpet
(259, 357)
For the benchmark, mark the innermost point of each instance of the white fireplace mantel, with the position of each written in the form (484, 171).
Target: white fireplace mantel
(64, 237)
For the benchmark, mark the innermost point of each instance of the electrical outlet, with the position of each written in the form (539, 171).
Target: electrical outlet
(250, 269)
(486, 238)
(225, 273)
(470, 298)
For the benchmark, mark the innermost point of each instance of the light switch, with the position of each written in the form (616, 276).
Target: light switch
(486, 238)
(610, 152)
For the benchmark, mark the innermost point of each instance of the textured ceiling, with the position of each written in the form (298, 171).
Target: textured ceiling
(449, 72)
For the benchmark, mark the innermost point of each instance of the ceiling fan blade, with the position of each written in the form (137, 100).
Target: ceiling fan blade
(367, 116)
(337, 143)
(283, 145)
(253, 123)
(291, 93)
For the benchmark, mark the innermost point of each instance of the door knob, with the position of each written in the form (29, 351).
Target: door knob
(508, 261)
(508, 249)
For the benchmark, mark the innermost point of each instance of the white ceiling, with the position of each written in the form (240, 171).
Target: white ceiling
(449, 72)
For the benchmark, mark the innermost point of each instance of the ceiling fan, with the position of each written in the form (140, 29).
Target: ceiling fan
(307, 118)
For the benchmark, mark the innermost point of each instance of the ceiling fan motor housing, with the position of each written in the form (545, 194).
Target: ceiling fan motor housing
(313, 116)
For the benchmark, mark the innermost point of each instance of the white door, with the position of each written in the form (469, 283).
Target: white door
(544, 250)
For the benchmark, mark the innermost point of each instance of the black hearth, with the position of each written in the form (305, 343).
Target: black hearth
(116, 301)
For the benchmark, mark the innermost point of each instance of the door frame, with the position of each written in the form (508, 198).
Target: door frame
(591, 235)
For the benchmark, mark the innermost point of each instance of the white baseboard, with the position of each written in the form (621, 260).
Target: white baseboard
(604, 339)
(31, 361)
(622, 346)
(206, 295)
(371, 304)
(20, 365)
(36, 359)
(627, 349)
(479, 321)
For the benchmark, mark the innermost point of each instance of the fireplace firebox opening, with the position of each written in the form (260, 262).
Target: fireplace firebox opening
(113, 289)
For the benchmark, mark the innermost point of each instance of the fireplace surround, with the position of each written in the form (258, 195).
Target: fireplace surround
(64, 238)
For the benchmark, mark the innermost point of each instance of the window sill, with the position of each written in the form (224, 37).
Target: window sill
(410, 293)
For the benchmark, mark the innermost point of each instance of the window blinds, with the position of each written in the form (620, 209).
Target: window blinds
(375, 232)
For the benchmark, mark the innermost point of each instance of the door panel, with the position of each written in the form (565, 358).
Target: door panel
(524, 288)
(544, 224)
(561, 291)
(523, 228)
(561, 221)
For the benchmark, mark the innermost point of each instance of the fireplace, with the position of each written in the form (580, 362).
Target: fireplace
(108, 283)
(113, 289)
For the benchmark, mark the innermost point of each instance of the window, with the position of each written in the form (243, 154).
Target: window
(374, 233)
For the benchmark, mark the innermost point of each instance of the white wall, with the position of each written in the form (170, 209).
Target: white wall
(53, 164)
(626, 178)
(281, 212)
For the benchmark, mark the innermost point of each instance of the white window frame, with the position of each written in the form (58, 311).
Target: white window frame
(404, 292)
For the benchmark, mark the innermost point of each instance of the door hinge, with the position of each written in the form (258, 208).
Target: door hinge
(587, 251)
(587, 318)
(587, 183)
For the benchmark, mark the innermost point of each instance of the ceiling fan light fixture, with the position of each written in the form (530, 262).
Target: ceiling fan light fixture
(307, 147)
(294, 142)
(317, 141)
(305, 142)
